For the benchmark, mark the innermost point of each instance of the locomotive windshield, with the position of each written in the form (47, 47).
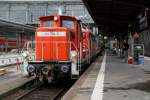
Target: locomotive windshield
(68, 24)
(49, 23)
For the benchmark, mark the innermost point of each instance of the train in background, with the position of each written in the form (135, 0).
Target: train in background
(8, 44)
(62, 49)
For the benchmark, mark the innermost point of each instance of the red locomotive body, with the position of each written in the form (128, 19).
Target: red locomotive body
(53, 41)
(51, 47)
(60, 48)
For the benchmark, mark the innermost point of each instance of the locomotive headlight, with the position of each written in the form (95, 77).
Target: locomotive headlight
(31, 69)
(73, 55)
(55, 18)
(64, 68)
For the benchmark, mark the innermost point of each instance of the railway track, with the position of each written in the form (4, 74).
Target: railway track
(35, 90)
(44, 92)
(53, 91)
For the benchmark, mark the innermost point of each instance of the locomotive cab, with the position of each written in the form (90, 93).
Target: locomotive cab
(58, 46)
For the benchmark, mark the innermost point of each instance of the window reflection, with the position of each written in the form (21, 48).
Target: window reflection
(49, 23)
(68, 24)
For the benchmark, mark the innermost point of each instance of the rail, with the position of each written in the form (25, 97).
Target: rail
(46, 93)
(27, 93)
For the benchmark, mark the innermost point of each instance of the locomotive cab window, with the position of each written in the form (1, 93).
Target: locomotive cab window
(68, 24)
(49, 23)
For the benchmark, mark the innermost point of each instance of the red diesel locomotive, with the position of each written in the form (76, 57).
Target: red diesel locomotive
(62, 48)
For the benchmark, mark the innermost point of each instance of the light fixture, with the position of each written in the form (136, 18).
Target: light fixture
(55, 18)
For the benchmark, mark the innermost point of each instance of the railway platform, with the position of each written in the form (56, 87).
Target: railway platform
(109, 78)
(12, 79)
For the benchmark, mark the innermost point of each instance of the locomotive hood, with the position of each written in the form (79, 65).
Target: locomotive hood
(52, 44)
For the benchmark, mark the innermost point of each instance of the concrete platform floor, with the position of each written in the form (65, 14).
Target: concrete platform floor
(121, 81)
(126, 82)
(13, 79)
(83, 88)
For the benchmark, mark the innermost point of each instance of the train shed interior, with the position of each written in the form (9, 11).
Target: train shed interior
(81, 49)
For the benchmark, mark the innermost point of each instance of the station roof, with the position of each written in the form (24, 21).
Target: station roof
(7, 26)
(43, 1)
(115, 15)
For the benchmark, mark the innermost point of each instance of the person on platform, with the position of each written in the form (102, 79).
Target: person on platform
(126, 47)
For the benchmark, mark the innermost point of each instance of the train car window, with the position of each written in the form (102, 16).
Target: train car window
(83, 35)
(93, 37)
(49, 23)
(68, 24)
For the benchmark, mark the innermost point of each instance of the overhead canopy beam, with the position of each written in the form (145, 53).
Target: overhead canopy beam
(7, 26)
(15, 25)
(115, 14)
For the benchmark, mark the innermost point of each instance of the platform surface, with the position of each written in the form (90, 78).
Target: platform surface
(114, 80)
(13, 79)
(126, 82)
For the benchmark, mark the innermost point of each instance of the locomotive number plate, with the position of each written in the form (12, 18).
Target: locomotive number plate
(51, 33)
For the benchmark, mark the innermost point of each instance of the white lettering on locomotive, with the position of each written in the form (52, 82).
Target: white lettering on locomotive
(51, 33)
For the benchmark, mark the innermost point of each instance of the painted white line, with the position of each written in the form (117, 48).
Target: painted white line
(146, 58)
(99, 85)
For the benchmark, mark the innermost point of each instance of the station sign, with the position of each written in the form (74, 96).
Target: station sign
(143, 23)
(144, 20)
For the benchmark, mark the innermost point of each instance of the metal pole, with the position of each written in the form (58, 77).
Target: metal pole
(27, 13)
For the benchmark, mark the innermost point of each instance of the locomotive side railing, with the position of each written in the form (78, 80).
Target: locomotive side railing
(30, 46)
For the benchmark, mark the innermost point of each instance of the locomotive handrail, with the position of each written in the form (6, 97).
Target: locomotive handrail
(55, 42)
(75, 47)
(28, 48)
(55, 51)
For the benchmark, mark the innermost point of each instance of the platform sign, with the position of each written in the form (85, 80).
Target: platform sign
(143, 23)
(144, 20)
(138, 51)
